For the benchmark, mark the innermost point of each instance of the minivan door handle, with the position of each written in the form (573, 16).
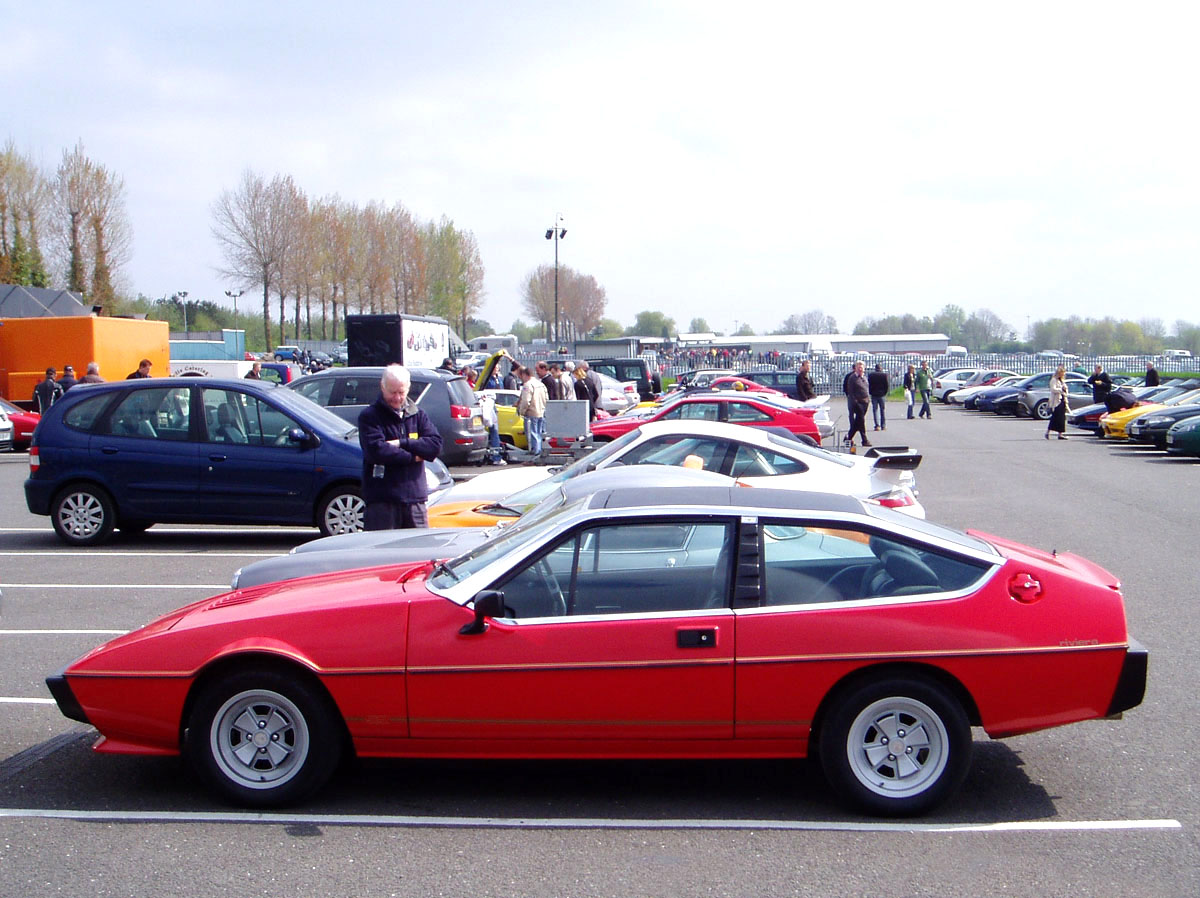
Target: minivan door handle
(109, 450)
(217, 457)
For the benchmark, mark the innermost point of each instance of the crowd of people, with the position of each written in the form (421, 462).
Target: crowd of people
(53, 388)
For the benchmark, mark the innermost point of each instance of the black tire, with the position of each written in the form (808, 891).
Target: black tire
(134, 527)
(83, 515)
(1041, 410)
(873, 716)
(301, 741)
(340, 510)
(946, 397)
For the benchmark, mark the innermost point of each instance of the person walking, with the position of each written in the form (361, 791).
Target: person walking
(1059, 409)
(924, 381)
(910, 388)
(93, 374)
(878, 386)
(532, 407)
(68, 378)
(858, 394)
(1151, 375)
(397, 438)
(804, 385)
(47, 392)
(255, 372)
(1101, 384)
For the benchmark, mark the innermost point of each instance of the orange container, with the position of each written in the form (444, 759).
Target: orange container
(28, 346)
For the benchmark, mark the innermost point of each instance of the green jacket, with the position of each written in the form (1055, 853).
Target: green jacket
(924, 379)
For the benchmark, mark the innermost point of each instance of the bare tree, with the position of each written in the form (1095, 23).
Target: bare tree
(254, 225)
(92, 224)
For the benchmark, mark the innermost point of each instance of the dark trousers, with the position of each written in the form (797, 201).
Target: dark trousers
(395, 515)
(858, 422)
(925, 412)
(878, 415)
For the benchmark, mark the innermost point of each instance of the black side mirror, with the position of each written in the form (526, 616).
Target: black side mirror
(488, 603)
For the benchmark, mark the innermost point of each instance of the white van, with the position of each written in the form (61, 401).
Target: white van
(956, 350)
(1177, 354)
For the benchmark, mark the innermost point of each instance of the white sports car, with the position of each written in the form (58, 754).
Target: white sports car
(754, 456)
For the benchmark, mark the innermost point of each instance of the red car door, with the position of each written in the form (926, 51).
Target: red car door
(620, 633)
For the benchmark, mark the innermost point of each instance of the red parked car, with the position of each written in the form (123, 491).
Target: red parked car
(741, 384)
(729, 406)
(23, 423)
(649, 622)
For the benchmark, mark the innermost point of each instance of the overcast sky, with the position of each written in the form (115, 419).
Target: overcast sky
(739, 162)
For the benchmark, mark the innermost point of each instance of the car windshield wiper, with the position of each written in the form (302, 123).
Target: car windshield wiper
(442, 568)
(497, 508)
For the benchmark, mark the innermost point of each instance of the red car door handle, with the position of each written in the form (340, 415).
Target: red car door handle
(696, 639)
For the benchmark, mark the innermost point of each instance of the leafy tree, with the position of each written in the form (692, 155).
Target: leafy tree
(744, 331)
(651, 324)
(608, 329)
(699, 326)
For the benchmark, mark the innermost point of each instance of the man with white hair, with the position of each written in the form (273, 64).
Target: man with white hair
(397, 438)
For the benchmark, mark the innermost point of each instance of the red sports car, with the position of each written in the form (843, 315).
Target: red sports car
(730, 406)
(741, 384)
(669, 622)
(23, 423)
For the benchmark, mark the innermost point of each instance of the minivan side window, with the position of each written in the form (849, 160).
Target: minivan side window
(160, 414)
(83, 415)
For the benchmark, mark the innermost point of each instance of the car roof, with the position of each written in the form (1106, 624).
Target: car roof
(377, 371)
(764, 498)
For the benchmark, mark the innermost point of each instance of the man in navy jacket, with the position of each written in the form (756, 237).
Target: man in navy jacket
(396, 438)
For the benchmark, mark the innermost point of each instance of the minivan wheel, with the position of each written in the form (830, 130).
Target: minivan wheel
(83, 515)
(341, 511)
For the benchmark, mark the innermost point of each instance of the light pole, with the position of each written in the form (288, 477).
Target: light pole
(558, 232)
(234, 294)
(182, 297)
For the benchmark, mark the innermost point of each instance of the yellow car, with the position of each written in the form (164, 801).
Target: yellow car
(1115, 425)
(511, 425)
(470, 514)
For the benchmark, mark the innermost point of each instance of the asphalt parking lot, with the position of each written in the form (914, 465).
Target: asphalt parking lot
(1100, 808)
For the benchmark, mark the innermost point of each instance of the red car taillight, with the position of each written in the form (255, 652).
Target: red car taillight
(460, 411)
(34, 461)
(894, 499)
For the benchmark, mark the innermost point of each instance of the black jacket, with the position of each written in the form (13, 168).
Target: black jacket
(804, 387)
(403, 477)
(856, 390)
(1101, 386)
(877, 383)
(45, 394)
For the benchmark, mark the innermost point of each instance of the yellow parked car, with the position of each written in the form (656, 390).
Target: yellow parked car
(512, 425)
(1115, 425)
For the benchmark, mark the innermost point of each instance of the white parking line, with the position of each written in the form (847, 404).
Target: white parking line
(62, 632)
(220, 587)
(11, 700)
(564, 823)
(274, 531)
(101, 553)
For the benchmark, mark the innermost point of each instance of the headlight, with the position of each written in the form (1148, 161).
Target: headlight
(1155, 421)
(1189, 425)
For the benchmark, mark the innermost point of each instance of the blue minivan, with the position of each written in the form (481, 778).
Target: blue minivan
(191, 450)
